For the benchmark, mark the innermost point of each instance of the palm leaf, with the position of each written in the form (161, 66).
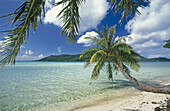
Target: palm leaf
(167, 45)
(98, 67)
(127, 7)
(71, 18)
(95, 55)
(22, 18)
(109, 71)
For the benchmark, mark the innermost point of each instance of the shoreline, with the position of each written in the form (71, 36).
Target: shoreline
(134, 100)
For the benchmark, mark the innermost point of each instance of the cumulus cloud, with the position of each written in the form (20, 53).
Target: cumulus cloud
(41, 56)
(59, 49)
(29, 55)
(92, 12)
(87, 42)
(48, 4)
(150, 29)
(29, 52)
(26, 57)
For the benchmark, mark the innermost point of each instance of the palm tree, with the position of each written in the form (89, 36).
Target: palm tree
(118, 55)
(27, 15)
(167, 45)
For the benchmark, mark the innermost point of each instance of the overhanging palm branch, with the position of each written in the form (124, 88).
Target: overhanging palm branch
(23, 18)
(71, 18)
(127, 7)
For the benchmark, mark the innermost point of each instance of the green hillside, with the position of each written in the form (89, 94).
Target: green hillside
(160, 59)
(75, 58)
(63, 58)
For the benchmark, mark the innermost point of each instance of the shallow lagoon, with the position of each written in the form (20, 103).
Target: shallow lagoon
(42, 85)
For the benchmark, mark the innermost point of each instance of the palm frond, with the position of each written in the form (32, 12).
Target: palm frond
(122, 47)
(109, 71)
(126, 69)
(88, 52)
(94, 40)
(127, 7)
(116, 70)
(98, 66)
(97, 55)
(24, 17)
(112, 31)
(132, 60)
(71, 18)
(167, 45)
(101, 33)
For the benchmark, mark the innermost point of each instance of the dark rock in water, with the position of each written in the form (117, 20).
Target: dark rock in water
(157, 109)
(154, 103)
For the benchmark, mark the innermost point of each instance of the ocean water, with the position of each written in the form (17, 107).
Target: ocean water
(36, 86)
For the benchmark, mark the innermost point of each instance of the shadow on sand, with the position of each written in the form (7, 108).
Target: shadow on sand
(120, 84)
(115, 85)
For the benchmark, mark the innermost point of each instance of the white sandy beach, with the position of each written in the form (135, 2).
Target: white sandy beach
(133, 101)
(145, 101)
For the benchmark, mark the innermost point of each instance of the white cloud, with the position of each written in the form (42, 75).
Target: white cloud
(26, 57)
(48, 4)
(92, 12)
(151, 28)
(59, 49)
(87, 42)
(29, 52)
(41, 56)
(29, 55)
(155, 56)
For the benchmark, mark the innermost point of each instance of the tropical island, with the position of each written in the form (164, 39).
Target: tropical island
(76, 58)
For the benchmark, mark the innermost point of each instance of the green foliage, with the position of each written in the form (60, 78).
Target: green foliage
(167, 45)
(110, 51)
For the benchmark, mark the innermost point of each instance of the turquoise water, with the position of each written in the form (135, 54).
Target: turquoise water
(41, 85)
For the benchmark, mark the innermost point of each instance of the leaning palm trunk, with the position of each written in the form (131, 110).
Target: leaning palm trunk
(146, 87)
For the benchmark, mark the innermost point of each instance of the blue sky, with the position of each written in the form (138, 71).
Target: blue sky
(147, 30)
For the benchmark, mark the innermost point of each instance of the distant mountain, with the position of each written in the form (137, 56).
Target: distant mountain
(63, 58)
(75, 58)
(160, 59)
